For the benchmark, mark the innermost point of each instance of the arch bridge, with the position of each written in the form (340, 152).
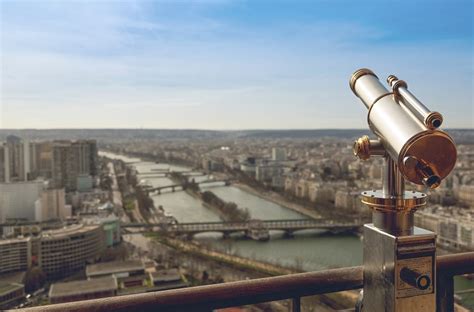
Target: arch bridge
(257, 227)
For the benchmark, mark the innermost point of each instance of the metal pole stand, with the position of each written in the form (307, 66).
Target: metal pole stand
(399, 258)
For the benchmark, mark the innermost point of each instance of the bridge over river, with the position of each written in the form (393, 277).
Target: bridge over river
(256, 229)
(182, 186)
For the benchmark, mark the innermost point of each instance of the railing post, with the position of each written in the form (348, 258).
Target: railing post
(445, 293)
(296, 304)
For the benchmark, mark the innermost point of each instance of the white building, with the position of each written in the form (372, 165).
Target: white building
(17, 200)
(52, 205)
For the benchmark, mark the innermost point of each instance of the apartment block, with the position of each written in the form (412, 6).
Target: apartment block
(15, 255)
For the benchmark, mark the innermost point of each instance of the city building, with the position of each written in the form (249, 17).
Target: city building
(210, 164)
(266, 172)
(248, 166)
(16, 159)
(17, 200)
(15, 255)
(4, 163)
(465, 193)
(42, 159)
(454, 226)
(85, 183)
(167, 279)
(52, 205)
(11, 293)
(128, 273)
(110, 223)
(350, 201)
(70, 160)
(279, 154)
(69, 249)
(83, 290)
(88, 201)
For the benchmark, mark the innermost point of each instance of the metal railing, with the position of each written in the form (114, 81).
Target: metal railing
(293, 286)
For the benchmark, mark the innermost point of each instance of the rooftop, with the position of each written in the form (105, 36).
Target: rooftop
(114, 267)
(68, 230)
(13, 277)
(14, 240)
(166, 275)
(5, 288)
(83, 287)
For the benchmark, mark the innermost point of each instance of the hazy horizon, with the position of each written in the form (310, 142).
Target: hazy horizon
(226, 64)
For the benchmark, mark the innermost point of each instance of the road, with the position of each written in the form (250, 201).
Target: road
(116, 195)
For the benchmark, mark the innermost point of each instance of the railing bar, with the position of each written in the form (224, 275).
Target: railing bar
(252, 291)
(445, 293)
(466, 291)
(296, 304)
(456, 264)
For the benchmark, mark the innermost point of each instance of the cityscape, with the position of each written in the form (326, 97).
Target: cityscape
(236, 156)
(135, 211)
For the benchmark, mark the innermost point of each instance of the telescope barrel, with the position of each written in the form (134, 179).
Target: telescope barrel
(432, 120)
(423, 156)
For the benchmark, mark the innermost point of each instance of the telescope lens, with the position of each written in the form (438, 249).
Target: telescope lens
(432, 182)
(436, 123)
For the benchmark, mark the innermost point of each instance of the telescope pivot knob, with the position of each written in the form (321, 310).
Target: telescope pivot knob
(361, 148)
(364, 147)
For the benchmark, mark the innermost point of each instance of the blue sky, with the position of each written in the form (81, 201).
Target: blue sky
(226, 64)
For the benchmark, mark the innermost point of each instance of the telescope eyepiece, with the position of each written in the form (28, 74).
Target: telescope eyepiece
(429, 177)
(432, 182)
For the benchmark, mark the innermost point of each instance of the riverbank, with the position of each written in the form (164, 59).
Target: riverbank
(345, 299)
(194, 267)
(233, 260)
(279, 200)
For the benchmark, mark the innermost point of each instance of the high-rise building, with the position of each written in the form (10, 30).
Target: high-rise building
(60, 161)
(71, 160)
(18, 158)
(14, 160)
(4, 164)
(93, 157)
(43, 155)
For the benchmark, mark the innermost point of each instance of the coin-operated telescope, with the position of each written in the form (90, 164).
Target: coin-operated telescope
(399, 258)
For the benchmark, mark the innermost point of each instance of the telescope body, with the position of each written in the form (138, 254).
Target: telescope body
(423, 155)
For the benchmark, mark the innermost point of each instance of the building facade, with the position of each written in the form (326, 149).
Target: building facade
(15, 255)
(70, 160)
(51, 205)
(17, 200)
(70, 249)
(10, 294)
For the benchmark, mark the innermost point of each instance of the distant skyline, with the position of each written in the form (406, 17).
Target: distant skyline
(226, 64)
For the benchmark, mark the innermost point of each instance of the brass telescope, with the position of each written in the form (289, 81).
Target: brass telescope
(399, 258)
(407, 130)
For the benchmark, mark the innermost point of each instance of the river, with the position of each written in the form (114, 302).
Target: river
(307, 250)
